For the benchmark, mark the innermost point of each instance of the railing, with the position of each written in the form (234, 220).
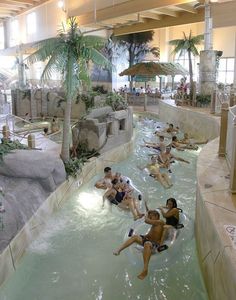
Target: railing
(24, 135)
(219, 98)
(227, 144)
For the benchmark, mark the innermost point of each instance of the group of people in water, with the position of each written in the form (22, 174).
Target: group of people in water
(119, 191)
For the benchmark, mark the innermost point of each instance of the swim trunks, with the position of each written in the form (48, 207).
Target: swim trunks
(145, 239)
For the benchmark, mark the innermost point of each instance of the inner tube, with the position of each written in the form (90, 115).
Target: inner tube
(175, 240)
(136, 193)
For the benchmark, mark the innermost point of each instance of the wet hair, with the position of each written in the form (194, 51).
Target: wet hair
(173, 201)
(45, 130)
(154, 212)
(174, 138)
(114, 181)
(107, 169)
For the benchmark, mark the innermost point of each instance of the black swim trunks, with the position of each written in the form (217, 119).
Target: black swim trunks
(145, 239)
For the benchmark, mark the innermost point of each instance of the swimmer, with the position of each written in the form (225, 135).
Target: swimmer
(154, 169)
(170, 130)
(178, 146)
(166, 158)
(187, 140)
(116, 195)
(157, 146)
(150, 242)
(105, 182)
(171, 216)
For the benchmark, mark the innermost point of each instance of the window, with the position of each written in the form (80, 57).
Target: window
(31, 23)
(226, 70)
(1, 36)
(184, 62)
(14, 33)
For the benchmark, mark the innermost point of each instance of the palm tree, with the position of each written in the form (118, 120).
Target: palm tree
(69, 53)
(137, 46)
(188, 44)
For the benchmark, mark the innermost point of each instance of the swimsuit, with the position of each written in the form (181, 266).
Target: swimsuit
(173, 221)
(145, 239)
(118, 198)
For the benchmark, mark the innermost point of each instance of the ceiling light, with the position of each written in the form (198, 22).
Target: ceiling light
(60, 4)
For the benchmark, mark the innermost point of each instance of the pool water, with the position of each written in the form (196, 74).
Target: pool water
(72, 258)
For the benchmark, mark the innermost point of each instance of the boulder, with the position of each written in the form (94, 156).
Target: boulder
(42, 166)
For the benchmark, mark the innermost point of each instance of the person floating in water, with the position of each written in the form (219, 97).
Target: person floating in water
(161, 146)
(150, 242)
(170, 130)
(116, 195)
(154, 170)
(171, 213)
(105, 182)
(186, 140)
(180, 146)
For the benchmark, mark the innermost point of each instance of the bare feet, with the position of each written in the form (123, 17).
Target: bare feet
(142, 275)
(116, 253)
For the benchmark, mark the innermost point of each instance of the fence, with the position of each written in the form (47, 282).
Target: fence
(227, 144)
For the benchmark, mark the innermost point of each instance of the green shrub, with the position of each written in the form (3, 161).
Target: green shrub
(73, 166)
(203, 99)
(116, 101)
(100, 89)
(7, 146)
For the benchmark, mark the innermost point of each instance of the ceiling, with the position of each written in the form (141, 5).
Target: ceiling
(11, 8)
(124, 16)
(142, 15)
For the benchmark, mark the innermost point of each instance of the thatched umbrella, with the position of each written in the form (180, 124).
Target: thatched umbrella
(151, 69)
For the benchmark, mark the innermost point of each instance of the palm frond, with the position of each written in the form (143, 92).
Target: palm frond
(194, 50)
(56, 63)
(198, 39)
(176, 42)
(46, 49)
(94, 41)
(99, 59)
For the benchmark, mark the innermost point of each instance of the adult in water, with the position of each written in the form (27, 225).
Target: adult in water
(171, 215)
(154, 169)
(150, 242)
(177, 145)
(117, 195)
(105, 182)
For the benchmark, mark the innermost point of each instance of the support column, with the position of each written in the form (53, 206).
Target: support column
(31, 141)
(233, 165)
(208, 27)
(21, 71)
(223, 129)
(207, 71)
(235, 62)
(213, 102)
(145, 102)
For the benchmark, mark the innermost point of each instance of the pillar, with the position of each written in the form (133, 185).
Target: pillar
(223, 129)
(207, 71)
(31, 141)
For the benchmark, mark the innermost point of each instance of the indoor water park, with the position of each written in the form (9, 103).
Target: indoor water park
(118, 149)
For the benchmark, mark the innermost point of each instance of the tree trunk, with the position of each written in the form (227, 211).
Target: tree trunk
(190, 75)
(65, 148)
(131, 62)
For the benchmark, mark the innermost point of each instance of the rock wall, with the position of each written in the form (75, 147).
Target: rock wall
(43, 101)
(104, 129)
(28, 178)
